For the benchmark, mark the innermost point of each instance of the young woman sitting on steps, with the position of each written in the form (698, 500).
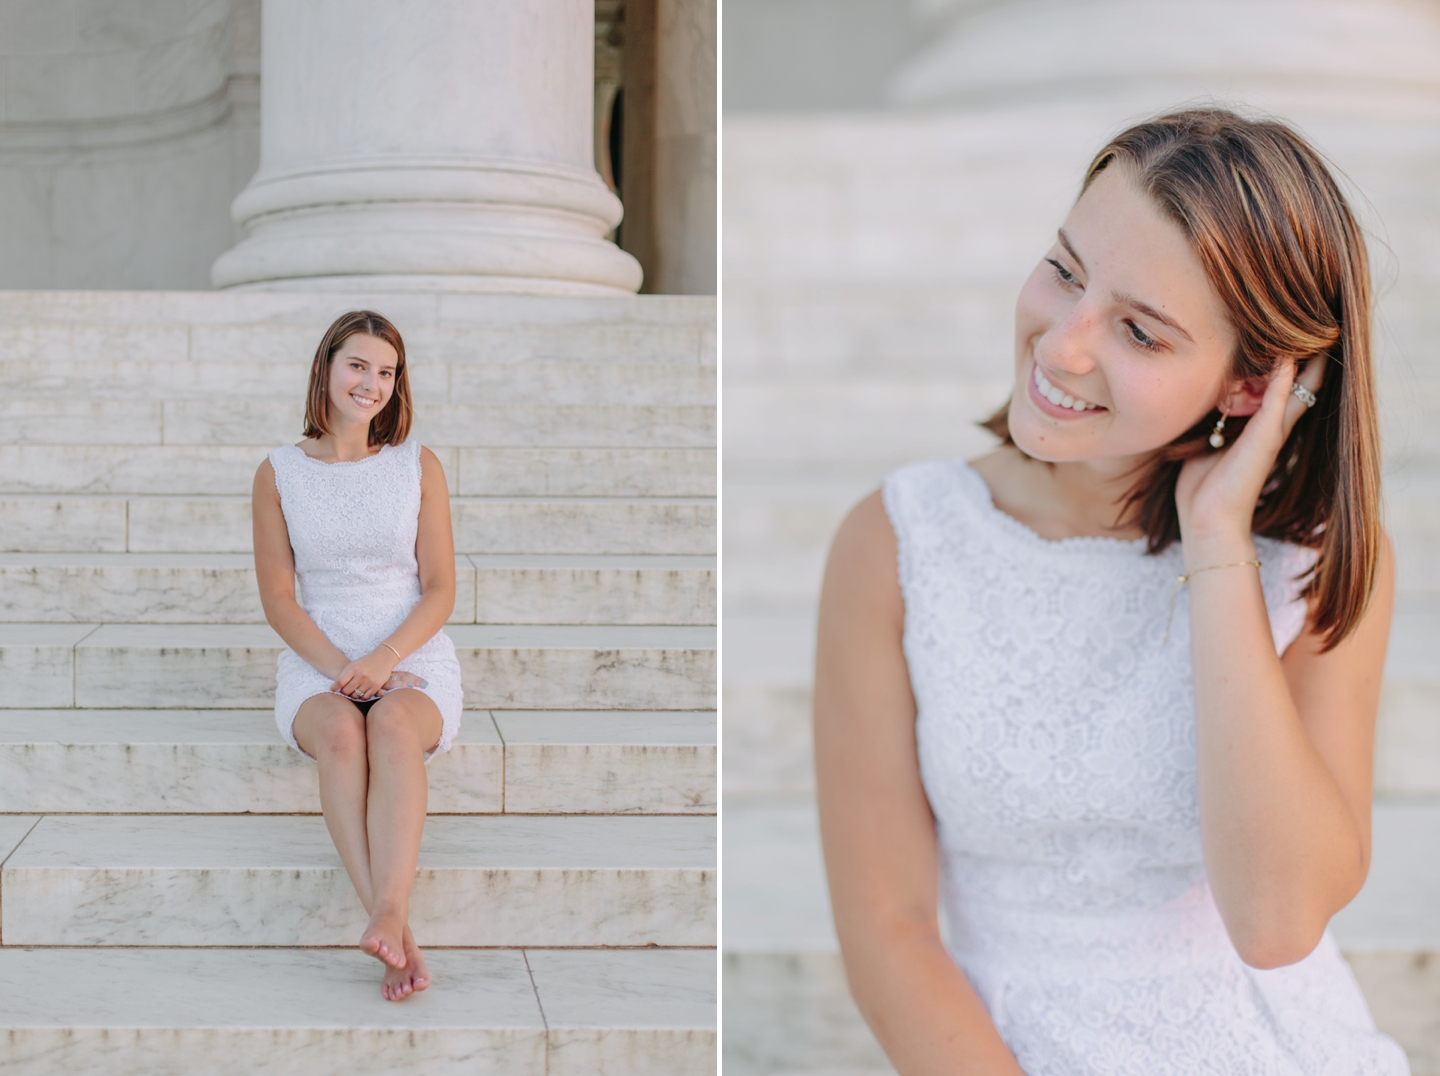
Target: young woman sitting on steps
(359, 517)
(1110, 690)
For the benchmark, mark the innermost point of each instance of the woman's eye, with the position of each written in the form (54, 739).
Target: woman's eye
(1141, 337)
(1066, 277)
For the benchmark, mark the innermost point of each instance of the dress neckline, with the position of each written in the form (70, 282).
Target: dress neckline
(343, 463)
(980, 494)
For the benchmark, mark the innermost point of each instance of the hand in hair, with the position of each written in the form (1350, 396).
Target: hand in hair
(1216, 494)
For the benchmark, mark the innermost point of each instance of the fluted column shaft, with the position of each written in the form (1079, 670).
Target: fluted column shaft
(420, 144)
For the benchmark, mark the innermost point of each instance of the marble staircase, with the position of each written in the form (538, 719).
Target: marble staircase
(169, 898)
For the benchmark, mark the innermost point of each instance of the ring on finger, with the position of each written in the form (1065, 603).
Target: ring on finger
(1304, 395)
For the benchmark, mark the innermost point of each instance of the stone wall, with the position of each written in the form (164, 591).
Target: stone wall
(126, 128)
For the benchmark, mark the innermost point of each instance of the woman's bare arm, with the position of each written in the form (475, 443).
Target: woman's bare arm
(275, 573)
(435, 552)
(1285, 750)
(879, 834)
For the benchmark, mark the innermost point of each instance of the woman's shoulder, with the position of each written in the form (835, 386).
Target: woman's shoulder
(277, 459)
(939, 496)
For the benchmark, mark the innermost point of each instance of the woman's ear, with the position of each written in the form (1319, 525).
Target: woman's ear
(1244, 397)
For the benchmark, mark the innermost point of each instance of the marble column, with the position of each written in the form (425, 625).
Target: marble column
(424, 145)
(670, 153)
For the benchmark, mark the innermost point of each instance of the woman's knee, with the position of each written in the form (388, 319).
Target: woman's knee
(401, 720)
(334, 729)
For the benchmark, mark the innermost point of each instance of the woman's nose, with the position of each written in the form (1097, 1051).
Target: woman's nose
(1071, 345)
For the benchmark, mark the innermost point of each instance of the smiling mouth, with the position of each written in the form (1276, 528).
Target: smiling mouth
(1059, 398)
(361, 401)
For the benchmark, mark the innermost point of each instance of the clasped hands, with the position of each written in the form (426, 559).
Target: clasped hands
(374, 675)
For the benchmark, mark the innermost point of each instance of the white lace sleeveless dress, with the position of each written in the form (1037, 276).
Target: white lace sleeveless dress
(352, 529)
(1056, 743)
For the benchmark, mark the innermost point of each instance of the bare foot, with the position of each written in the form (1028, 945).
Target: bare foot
(401, 982)
(384, 938)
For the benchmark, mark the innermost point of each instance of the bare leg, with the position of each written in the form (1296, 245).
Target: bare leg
(332, 730)
(399, 729)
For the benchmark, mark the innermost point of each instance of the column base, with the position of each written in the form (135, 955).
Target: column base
(495, 226)
(433, 282)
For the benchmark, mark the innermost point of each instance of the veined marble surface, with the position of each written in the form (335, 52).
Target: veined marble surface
(667, 997)
(258, 880)
(595, 988)
(40, 522)
(199, 761)
(161, 524)
(437, 423)
(233, 665)
(177, 1012)
(584, 472)
(37, 662)
(640, 1012)
(585, 525)
(523, 728)
(13, 828)
(594, 590)
(153, 588)
(612, 763)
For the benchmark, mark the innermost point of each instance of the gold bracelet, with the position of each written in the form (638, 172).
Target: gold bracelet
(1181, 580)
(392, 650)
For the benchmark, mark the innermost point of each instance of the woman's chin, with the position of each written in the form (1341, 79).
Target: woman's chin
(1046, 445)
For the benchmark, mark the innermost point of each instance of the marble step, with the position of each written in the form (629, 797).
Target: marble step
(232, 666)
(234, 762)
(288, 1012)
(221, 524)
(220, 588)
(222, 880)
(787, 1008)
(276, 422)
(511, 328)
(477, 472)
(150, 380)
(424, 309)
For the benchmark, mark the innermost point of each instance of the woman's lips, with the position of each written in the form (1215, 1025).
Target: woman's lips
(1057, 410)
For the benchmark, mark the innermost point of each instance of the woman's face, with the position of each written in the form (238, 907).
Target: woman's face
(362, 378)
(1120, 321)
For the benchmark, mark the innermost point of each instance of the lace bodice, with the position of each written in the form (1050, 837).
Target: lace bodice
(352, 529)
(1055, 733)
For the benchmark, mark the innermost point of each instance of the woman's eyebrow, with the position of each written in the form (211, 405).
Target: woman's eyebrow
(1065, 242)
(1150, 312)
(1124, 299)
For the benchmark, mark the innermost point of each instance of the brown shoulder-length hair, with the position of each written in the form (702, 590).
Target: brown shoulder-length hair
(392, 425)
(1282, 250)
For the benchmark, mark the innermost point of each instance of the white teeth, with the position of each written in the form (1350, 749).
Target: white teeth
(1059, 398)
(362, 401)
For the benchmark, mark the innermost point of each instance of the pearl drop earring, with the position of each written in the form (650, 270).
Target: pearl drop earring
(1217, 438)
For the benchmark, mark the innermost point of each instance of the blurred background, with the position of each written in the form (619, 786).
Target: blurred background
(892, 171)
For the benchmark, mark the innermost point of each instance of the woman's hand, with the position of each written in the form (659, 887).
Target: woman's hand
(400, 678)
(1216, 493)
(364, 677)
